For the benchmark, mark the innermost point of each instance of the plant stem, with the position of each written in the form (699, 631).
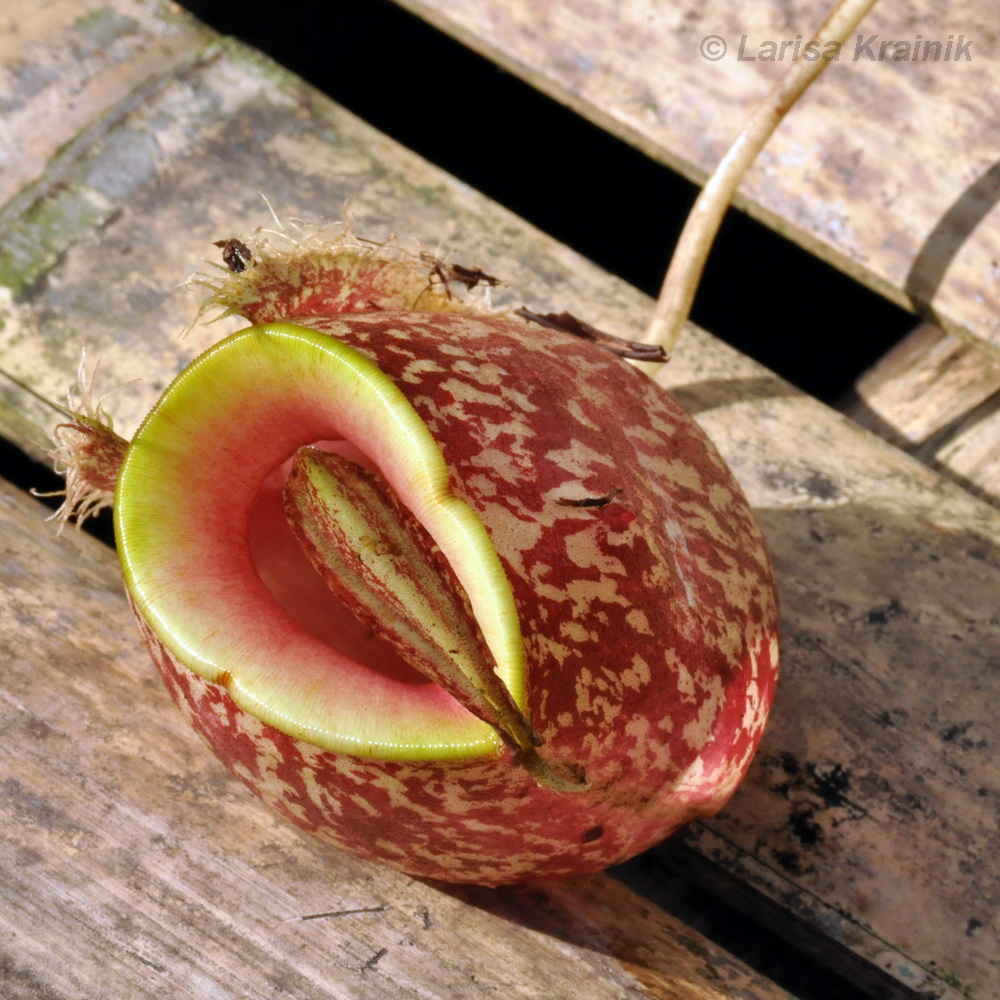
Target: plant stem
(688, 262)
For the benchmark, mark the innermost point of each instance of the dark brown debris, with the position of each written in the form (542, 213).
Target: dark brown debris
(569, 323)
(237, 256)
(591, 501)
(446, 273)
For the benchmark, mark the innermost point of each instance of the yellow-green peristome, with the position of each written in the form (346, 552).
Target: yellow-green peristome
(193, 494)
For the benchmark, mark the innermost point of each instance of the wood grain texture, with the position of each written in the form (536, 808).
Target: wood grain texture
(888, 170)
(135, 866)
(872, 813)
(63, 63)
(972, 451)
(937, 397)
(926, 383)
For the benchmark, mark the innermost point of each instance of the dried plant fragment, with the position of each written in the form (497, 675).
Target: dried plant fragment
(569, 323)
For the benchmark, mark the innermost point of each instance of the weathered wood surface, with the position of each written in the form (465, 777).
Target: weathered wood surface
(889, 170)
(872, 813)
(64, 62)
(937, 397)
(134, 866)
(972, 451)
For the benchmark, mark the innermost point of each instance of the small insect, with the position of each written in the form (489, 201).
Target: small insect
(591, 501)
(236, 256)
(470, 277)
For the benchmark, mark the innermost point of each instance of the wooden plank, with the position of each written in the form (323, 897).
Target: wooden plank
(888, 170)
(972, 451)
(925, 384)
(135, 866)
(887, 573)
(64, 62)
(63, 65)
(938, 397)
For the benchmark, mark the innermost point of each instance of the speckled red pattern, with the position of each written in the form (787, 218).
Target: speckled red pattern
(650, 623)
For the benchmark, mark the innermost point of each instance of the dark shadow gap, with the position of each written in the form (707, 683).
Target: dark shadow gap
(755, 929)
(761, 293)
(25, 473)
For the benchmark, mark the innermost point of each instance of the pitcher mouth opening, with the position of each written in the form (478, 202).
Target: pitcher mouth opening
(216, 569)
